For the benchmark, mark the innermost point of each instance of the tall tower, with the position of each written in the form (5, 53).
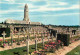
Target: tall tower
(26, 15)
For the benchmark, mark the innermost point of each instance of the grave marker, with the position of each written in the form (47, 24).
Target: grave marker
(4, 34)
(27, 43)
(24, 33)
(48, 37)
(34, 33)
(15, 30)
(43, 40)
(35, 43)
(52, 37)
(12, 38)
(19, 37)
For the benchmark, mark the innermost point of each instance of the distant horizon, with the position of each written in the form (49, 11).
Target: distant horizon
(45, 11)
(54, 25)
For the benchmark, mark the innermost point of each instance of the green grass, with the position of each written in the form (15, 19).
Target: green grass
(20, 50)
(75, 37)
(75, 51)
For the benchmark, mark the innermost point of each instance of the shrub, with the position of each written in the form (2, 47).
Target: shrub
(1, 42)
(65, 38)
(7, 31)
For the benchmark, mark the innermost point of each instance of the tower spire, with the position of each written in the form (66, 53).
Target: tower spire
(26, 15)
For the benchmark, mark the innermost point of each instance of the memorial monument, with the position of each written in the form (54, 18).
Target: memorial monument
(26, 19)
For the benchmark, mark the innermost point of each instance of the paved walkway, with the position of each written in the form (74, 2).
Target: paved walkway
(66, 49)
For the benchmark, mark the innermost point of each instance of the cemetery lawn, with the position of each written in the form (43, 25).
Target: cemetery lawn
(22, 38)
(75, 51)
(21, 50)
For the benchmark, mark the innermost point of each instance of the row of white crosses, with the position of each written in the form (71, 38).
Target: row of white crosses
(4, 34)
(35, 41)
(19, 33)
(26, 41)
(18, 36)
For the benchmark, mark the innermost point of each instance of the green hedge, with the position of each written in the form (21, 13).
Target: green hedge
(74, 31)
(54, 32)
(65, 38)
(7, 30)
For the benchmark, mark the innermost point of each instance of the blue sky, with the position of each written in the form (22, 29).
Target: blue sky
(56, 12)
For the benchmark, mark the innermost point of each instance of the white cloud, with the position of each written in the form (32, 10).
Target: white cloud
(44, 8)
(29, 5)
(10, 1)
(39, 8)
(62, 3)
(54, 3)
(35, 0)
(64, 14)
(2, 19)
(8, 11)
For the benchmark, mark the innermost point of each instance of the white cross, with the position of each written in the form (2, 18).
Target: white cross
(15, 30)
(19, 30)
(34, 33)
(38, 32)
(23, 29)
(4, 34)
